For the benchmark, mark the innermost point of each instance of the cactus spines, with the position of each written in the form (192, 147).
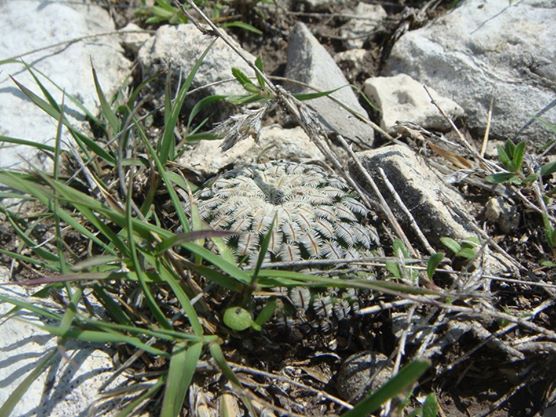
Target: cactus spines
(316, 214)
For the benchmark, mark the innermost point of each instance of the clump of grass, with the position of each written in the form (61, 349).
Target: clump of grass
(149, 279)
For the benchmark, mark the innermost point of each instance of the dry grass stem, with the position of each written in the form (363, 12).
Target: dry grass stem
(404, 208)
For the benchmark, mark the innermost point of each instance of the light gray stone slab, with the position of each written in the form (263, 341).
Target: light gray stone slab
(488, 49)
(437, 208)
(310, 63)
(402, 99)
(133, 37)
(274, 143)
(28, 25)
(366, 19)
(175, 49)
(69, 387)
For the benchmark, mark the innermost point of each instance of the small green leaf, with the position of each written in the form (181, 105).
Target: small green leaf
(266, 313)
(501, 177)
(517, 157)
(468, 253)
(260, 67)
(238, 318)
(242, 78)
(430, 406)
(471, 241)
(310, 96)
(529, 179)
(451, 244)
(262, 251)
(548, 169)
(504, 156)
(399, 249)
(252, 88)
(394, 269)
(241, 100)
(433, 263)
(242, 25)
(180, 373)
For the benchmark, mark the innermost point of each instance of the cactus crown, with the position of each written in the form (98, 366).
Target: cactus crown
(316, 215)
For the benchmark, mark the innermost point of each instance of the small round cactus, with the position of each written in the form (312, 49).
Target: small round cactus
(315, 214)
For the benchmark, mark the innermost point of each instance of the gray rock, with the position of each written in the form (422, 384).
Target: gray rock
(402, 99)
(321, 5)
(366, 19)
(68, 65)
(438, 209)
(311, 64)
(175, 49)
(485, 49)
(352, 57)
(68, 388)
(362, 373)
(134, 37)
(503, 213)
(275, 143)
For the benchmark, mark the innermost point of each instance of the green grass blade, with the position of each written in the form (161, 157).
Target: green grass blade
(227, 267)
(114, 309)
(407, 376)
(180, 294)
(433, 263)
(519, 154)
(14, 398)
(262, 252)
(85, 142)
(215, 276)
(53, 204)
(149, 297)
(242, 25)
(150, 393)
(430, 407)
(167, 144)
(17, 141)
(21, 182)
(279, 278)
(71, 312)
(200, 105)
(37, 249)
(105, 107)
(218, 356)
(176, 202)
(183, 364)
(102, 227)
(27, 259)
(33, 308)
(311, 96)
(102, 337)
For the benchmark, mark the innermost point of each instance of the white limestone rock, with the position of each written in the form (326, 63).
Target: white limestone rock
(67, 388)
(402, 99)
(310, 63)
(32, 24)
(134, 37)
(354, 58)
(275, 143)
(488, 49)
(320, 5)
(437, 208)
(366, 19)
(175, 49)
